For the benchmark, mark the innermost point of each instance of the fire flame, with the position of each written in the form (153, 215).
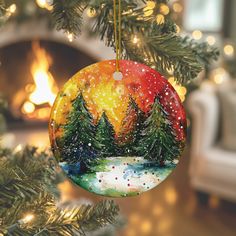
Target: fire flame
(44, 90)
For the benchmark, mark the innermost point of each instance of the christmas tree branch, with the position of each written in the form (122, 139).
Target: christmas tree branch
(2, 8)
(28, 206)
(67, 15)
(157, 45)
(154, 44)
(145, 37)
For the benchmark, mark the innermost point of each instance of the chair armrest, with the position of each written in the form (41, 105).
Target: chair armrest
(204, 110)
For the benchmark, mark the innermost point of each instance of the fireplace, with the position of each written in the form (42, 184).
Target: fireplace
(31, 74)
(35, 62)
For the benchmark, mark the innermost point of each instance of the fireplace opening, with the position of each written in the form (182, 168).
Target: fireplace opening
(31, 74)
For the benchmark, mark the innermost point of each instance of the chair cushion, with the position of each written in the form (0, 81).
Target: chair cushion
(228, 111)
(219, 165)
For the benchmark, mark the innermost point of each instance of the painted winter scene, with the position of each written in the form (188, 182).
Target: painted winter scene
(117, 138)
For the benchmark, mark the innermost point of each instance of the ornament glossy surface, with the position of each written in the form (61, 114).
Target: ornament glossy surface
(117, 137)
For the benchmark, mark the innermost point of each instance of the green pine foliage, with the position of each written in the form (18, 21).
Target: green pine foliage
(2, 8)
(158, 143)
(158, 46)
(67, 15)
(28, 185)
(79, 144)
(131, 128)
(105, 134)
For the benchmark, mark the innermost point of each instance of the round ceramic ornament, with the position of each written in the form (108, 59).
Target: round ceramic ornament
(117, 137)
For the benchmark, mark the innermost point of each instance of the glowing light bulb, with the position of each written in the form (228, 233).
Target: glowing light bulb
(26, 219)
(147, 11)
(146, 227)
(177, 7)
(211, 40)
(160, 19)
(164, 9)
(12, 8)
(28, 107)
(91, 12)
(228, 50)
(135, 39)
(70, 37)
(177, 29)
(197, 34)
(151, 4)
(18, 148)
(45, 4)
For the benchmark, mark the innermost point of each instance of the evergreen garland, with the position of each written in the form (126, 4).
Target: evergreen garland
(27, 182)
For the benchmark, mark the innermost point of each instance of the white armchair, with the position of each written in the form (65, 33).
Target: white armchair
(212, 168)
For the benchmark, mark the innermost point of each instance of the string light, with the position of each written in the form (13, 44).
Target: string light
(145, 227)
(181, 90)
(219, 75)
(164, 9)
(177, 29)
(177, 7)
(12, 8)
(28, 218)
(47, 4)
(28, 107)
(160, 19)
(228, 50)
(211, 40)
(135, 39)
(18, 148)
(147, 11)
(70, 37)
(151, 4)
(91, 12)
(197, 34)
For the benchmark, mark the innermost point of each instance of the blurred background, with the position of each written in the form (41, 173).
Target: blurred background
(199, 198)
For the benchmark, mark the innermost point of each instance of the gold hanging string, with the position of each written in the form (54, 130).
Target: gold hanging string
(117, 32)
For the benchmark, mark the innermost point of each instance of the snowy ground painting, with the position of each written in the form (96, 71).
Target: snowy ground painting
(121, 176)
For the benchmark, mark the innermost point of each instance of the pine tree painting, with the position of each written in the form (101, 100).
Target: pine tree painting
(131, 129)
(105, 134)
(118, 138)
(78, 139)
(158, 142)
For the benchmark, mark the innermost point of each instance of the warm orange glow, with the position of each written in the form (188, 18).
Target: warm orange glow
(157, 210)
(228, 50)
(171, 196)
(45, 90)
(177, 7)
(163, 226)
(181, 90)
(214, 202)
(197, 34)
(211, 40)
(28, 218)
(44, 4)
(151, 4)
(42, 92)
(146, 227)
(164, 9)
(28, 107)
(160, 19)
